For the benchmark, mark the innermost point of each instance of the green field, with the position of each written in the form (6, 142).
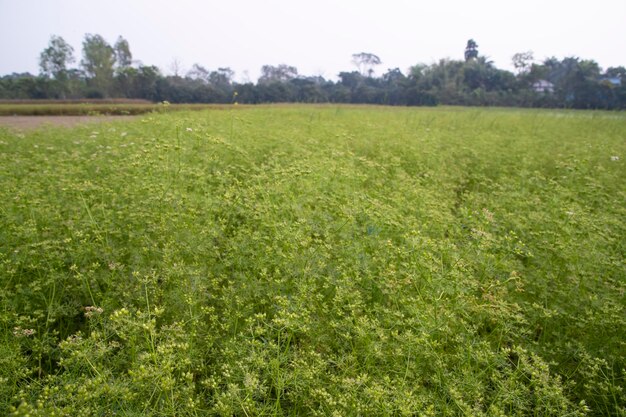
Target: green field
(316, 261)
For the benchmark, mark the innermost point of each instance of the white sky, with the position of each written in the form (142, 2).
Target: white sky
(318, 37)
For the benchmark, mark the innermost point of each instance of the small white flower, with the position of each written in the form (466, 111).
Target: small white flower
(614, 158)
(189, 129)
(123, 134)
(488, 215)
(92, 310)
(19, 332)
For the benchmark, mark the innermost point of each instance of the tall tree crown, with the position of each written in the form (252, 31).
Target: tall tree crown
(471, 50)
(54, 60)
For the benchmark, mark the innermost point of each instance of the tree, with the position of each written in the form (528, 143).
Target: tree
(146, 82)
(580, 83)
(54, 61)
(576, 82)
(198, 72)
(365, 63)
(477, 73)
(221, 82)
(276, 92)
(616, 72)
(351, 80)
(395, 86)
(310, 89)
(471, 50)
(122, 53)
(98, 61)
(222, 77)
(124, 73)
(176, 67)
(23, 86)
(280, 73)
(522, 61)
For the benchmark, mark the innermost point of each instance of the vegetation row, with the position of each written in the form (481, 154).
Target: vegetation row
(107, 71)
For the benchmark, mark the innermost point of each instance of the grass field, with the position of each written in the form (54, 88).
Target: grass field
(323, 261)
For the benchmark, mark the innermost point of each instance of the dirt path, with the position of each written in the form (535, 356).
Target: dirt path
(34, 122)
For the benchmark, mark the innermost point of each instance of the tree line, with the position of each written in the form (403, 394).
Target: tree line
(109, 71)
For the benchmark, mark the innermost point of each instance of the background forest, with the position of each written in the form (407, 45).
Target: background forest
(109, 71)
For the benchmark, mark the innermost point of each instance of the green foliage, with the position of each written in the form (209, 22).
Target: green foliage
(471, 50)
(108, 72)
(123, 56)
(365, 63)
(54, 61)
(277, 74)
(98, 61)
(315, 261)
(56, 57)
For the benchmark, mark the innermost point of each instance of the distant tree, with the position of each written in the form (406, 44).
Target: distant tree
(416, 72)
(280, 73)
(123, 57)
(222, 77)
(393, 75)
(125, 74)
(54, 60)
(617, 91)
(471, 50)
(310, 89)
(522, 61)
(109, 71)
(395, 84)
(221, 82)
(176, 67)
(198, 72)
(582, 83)
(124, 81)
(98, 62)
(351, 80)
(443, 80)
(276, 92)
(76, 83)
(616, 72)
(247, 93)
(145, 84)
(365, 63)
(576, 82)
(24, 86)
(477, 73)
(358, 88)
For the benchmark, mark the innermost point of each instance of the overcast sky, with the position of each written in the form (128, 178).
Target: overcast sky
(318, 37)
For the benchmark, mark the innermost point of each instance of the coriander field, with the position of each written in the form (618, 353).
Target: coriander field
(316, 261)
